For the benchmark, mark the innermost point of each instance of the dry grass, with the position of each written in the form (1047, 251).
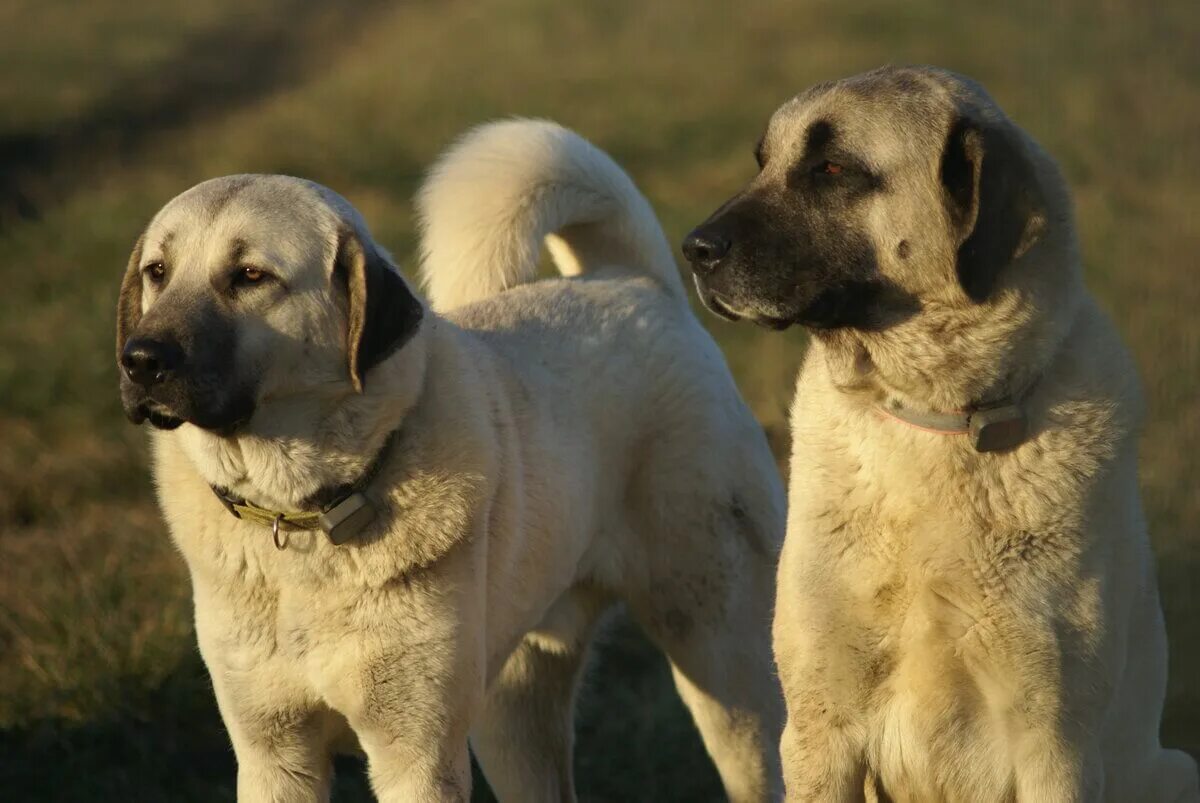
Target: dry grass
(111, 108)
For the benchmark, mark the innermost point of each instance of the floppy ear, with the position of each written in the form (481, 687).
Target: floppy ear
(129, 303)
(995, 203)
(384, 313)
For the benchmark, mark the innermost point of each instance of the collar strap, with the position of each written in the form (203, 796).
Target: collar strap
(342, 511)
(996, 427)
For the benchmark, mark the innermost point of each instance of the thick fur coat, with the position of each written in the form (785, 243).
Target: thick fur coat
(951, 624)
(563, 445)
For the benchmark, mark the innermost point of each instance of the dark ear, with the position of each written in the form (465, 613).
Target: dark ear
(995, 202)
(129, 303)
(384, 313)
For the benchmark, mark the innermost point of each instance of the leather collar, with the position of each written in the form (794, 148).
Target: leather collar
(994, 427)
(340, 511)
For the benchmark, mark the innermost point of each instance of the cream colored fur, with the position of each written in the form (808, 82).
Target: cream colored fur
(556, 188)
(954, 625)
(565, 445)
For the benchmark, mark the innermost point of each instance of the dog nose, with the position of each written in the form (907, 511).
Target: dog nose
(705, 249)
(149, 362)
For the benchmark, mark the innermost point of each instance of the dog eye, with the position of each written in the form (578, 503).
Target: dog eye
(249, 275)
(155, 272)
(830, 169)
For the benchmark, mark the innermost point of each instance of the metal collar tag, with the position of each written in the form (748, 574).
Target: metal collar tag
(998, 428)
(347, 518)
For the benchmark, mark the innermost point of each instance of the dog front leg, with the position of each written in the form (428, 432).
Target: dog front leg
(410, 682)
(823, 745)
(822, 761)
(280, 740)
(412, 772)
(1054, 694)
(1048, 769)
(1056, 753)
(411, 708)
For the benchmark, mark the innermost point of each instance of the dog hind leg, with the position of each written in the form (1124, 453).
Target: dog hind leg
(524, 737)
(721, 661)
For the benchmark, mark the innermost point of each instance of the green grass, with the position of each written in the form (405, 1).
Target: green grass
(113, 107)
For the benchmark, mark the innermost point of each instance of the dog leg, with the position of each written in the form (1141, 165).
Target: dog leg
(721, 662)
(412, 721)
(822, 748)
(409, 679)
(274, 776)
(417, 775)
(736, 720)
(821, 763)
(1050, 769)
(282, 755)
(524, 738)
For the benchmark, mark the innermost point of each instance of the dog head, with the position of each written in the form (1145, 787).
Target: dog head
(250, 288)
(877, 196)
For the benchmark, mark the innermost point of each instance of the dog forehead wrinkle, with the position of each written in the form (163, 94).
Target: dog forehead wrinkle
(225, 192)
(288, 239)
(315, 216)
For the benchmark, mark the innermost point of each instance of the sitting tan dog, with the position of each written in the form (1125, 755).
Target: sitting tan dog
(967, 602)
(402, 526)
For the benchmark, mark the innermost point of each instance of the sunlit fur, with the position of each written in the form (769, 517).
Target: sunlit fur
(564, 445)
(954, 625)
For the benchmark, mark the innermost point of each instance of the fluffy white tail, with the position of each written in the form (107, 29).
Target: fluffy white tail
(505, 187)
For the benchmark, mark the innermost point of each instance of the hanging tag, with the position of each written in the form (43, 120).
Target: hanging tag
(347, 518)
(998, 428)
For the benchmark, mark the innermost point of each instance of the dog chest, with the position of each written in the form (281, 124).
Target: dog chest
(916, 579)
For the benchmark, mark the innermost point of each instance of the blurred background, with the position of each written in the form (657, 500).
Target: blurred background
(111, 107)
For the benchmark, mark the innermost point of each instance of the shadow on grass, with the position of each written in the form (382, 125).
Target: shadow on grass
(635, 742)
(165, 743)
(217, 72)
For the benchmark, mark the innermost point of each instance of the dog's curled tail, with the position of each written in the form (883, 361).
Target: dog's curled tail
(505, 187)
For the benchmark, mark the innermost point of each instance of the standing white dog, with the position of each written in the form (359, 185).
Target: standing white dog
(402, 526)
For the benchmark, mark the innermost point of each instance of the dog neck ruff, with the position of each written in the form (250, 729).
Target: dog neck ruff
(994, 427)
(341, 511)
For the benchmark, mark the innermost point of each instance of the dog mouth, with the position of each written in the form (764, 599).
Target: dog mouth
(714, 304)
(772, 323)
(163, 418)
(726, 309)
(821, 314)
(723, 308)
(158, 415)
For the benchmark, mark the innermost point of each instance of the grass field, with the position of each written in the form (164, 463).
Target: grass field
(111, 107)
